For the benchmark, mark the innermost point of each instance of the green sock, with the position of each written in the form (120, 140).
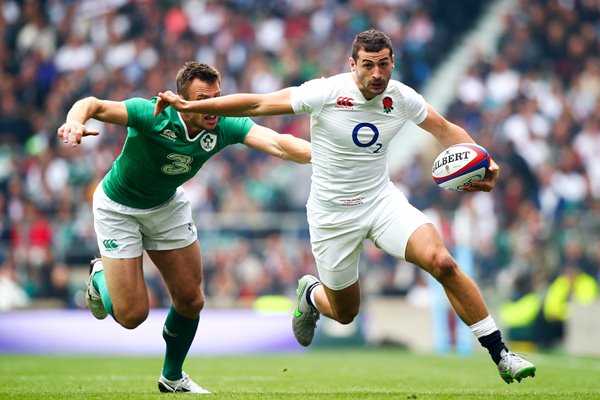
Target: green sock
(99, 282)
(178, 333)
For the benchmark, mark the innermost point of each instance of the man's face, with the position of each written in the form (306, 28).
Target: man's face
(200, 90)
(372, 72)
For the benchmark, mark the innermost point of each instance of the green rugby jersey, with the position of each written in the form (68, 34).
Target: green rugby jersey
(158, 156)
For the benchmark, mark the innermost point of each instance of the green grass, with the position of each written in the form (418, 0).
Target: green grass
(339, 374)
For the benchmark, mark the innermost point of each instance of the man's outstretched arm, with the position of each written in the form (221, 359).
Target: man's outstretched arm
(233, 105)
(90, 107)
(281, 145)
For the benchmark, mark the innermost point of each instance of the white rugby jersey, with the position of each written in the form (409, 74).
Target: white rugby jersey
(350, 135)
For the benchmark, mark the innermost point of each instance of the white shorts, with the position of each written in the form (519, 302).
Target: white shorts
(337, 235)
(124, 232)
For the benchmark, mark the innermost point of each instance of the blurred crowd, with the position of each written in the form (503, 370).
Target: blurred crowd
(57, 51)
(534, 105)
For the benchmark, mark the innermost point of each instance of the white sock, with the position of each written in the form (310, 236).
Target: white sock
(484, 327)
(312, 296)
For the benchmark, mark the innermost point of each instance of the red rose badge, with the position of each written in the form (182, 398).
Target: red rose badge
(388, 105)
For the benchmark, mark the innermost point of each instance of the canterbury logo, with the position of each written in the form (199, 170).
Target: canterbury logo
(110, 244)
(345, 102)
(169, 134)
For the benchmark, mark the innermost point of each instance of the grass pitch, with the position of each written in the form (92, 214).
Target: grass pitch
(336, 374)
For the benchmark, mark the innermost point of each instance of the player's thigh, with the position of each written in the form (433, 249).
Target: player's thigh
(181, 270)
(395, 221)
(424, 246)
(336, 244)
(120, 244)
(126, 285)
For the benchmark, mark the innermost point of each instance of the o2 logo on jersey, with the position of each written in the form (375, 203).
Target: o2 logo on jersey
(208, 141)
(373, 141)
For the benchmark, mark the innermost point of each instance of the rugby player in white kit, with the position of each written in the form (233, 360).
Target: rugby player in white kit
(354, 116)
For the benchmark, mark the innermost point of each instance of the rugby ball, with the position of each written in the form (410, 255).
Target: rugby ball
(459, 165)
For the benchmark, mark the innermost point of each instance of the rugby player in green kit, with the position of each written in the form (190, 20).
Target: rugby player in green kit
(140, 205)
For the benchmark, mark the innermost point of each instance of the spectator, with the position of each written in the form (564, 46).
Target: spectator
(571, 286)
(12, 295)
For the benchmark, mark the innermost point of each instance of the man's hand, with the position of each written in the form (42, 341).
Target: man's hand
(73, 132)
(489, 182)
(167, 99)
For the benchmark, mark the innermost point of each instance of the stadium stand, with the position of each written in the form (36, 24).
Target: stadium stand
(534, 105)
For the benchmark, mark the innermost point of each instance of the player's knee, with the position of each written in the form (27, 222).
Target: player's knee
(131, 318)
(191, 305)
(443, 267)
(197, 303)
(346, 317)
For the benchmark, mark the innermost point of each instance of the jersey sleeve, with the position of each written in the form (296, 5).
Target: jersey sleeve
(416, 106)
(309, 97)
(140, 114)
(235, 129)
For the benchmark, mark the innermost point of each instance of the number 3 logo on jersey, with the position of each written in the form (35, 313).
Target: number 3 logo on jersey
(180, 164)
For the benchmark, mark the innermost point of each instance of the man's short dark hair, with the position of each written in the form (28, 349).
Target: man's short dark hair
(194, 70)
(371, 41)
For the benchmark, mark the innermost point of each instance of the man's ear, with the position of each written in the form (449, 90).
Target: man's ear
(352, 64)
